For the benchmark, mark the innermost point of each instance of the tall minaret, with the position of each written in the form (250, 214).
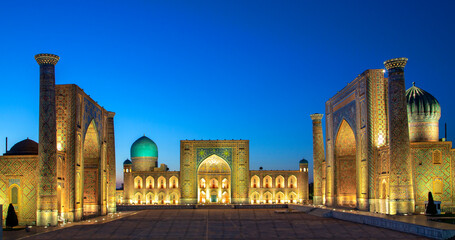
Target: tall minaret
(318, 157)
(47, 211)
(401, 197)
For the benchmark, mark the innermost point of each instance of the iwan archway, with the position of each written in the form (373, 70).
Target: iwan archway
(214, 181)
(91, 165)
(345, 160)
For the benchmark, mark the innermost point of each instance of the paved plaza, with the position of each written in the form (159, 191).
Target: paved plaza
(223, 224)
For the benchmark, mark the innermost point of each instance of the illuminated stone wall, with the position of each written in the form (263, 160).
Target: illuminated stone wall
(361, 105)
(86, 138)
(214, 171)
(234, 152)
(433, 172)
(275, 186)
(55, 181)
(19, 171)
(345, 155)
(318, 159)
(155, 188)
(387, 178)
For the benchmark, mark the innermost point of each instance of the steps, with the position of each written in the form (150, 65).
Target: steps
(214, 206)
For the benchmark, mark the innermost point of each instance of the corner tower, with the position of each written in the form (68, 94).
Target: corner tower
(400, 186)
(47, 211)
(318, 157)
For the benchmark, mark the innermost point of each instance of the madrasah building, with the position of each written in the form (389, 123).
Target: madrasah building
(70, 174)
(383, 152)
(211, 172)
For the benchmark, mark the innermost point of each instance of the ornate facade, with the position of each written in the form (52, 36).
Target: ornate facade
(211, 172)
(71, 172)
(383, 151)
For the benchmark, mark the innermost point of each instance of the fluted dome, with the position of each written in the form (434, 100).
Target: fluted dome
(144, 147)
(24, 147)
(303, 161)
(424, 112)
(422, 105)
(127, 162)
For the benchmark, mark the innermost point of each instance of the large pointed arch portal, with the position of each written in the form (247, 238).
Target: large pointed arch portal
(91, 164)
(345, 158)
(214, 181)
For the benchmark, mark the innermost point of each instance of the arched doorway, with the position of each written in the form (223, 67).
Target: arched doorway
(255, 182)
(345, 157)
(292, 197)
(267, 197)
(214, 170)
(255, 198)
(15, 199)
(59, 201)
(149, 198)
(91, 156)
(383, 197)
(161, 198)
(279, 198)
(267, 182)
(174, 198)
(279, 182)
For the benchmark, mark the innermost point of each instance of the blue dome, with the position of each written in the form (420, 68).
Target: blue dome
(144, 147)
(127, 161)
(422, 105)
(303, 161)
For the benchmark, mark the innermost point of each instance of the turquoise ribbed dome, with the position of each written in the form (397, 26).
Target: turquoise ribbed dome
(303, 161)
(144, 147)
(422, 105)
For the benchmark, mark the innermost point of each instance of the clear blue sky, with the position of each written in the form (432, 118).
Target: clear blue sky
(252, 70)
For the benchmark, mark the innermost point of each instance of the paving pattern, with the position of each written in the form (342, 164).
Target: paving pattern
(223, 224)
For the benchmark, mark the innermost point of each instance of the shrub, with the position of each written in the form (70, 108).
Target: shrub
(431, 207)
(11, 218)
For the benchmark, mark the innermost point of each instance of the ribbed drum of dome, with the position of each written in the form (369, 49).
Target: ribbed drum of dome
(424, 113)
(144, 154)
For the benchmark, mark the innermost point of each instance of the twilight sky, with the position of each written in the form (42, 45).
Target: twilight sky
(254, 70)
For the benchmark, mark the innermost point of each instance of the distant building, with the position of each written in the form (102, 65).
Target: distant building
(211, 172)
(71, 172)
(383, 148)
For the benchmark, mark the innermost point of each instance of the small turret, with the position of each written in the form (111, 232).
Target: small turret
(303, 179)
(127, 181)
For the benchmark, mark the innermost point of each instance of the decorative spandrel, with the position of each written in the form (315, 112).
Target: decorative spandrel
(92, 112)
(224, 153)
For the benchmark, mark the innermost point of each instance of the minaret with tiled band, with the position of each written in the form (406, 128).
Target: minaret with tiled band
(47, 211)
(318, 157)
(401, 197)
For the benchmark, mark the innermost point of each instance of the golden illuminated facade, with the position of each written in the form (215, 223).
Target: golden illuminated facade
(211, 172)
(383, 151)
(70, 174)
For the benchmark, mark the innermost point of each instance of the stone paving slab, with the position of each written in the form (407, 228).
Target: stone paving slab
(414, 224)
(223, 224)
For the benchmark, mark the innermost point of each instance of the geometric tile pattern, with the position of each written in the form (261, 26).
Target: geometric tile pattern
(235, 153)
(318, 157)
(345, 155)
(65, 113)
(47, 164)
(25, 176)
(426, 172)
(400, 181)
(224, 153)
